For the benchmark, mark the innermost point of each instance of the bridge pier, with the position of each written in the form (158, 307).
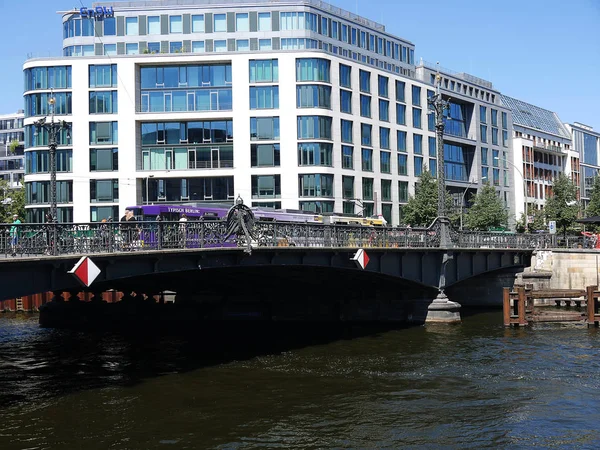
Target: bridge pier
(443, 310)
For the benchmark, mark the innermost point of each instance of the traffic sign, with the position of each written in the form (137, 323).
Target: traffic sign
(552, 226)
(85, 271)
(361, 258)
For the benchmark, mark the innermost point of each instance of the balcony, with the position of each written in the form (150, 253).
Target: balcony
(548, 148)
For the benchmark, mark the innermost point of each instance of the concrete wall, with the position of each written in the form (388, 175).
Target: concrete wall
(563, 269)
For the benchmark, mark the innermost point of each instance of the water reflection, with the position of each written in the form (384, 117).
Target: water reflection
(473, 385)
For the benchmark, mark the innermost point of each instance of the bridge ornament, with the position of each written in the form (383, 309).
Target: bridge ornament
(240, 221)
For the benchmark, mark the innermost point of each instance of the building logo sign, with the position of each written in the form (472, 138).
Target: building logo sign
(98, 13)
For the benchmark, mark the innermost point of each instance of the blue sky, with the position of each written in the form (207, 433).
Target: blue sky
(545, 52)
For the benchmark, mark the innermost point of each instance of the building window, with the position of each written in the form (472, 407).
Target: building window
(242, 45)
(400, 85)
(504, 138)
(416, 96)
(494, 117)
(504, 121)
(384, 110)
(455, 120)
(365, 105)
(175, 24)
(314, 127)
(104, 190)
(241, 22)
(103, 102)
(367, 159)
(198, 47)
(132, 49)
(315, 154)
(175, 47)
(401, 141)
(402, 164)
(418, 166)
(264, 128)
(345, 101)
(264, 97)
(365, 134)
(39, 192)
(365, 81)
(347, 157)
(264, 71)
(312, 69)
(384, 137)
(382, 83)
(418, 144)
(220, 23)
(153, 24)
(400, 114)
(313, 96)
(347, 136)
(386, 190)
(482, 114)
(264, 45)
(316, 185)
(104, 159)
(432, 147)
(483, 131)
(345, 76)
(131, 26)
(220, 46)
(103, 76)
(264, 21)
(484, 156)
(265, 155)
(99, 213)
(385, 164)
(416, 117)
(367, 189)
(198, 23)
(496, 173)
(495, 158)
(347, 187)
(110, 49)
(37, 105)
(153, 47)
(104, 133)
(494, 136)
(38, 161)
(266, 186)
(110, 26)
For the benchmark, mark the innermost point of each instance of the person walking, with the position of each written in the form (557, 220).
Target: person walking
(182, 230)
(14, 234)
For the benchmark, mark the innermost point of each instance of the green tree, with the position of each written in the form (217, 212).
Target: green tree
(421, 209)
(593, 207)
(562, 206)
(13, 146)
(12, 202)
(487, 210)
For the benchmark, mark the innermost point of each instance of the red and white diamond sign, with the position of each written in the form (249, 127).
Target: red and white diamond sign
(85, 271)
(361, 258)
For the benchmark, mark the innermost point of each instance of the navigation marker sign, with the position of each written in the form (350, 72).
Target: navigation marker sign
(361, 258)
(85, 271)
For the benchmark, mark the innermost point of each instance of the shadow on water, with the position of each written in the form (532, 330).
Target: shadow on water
(40, 363)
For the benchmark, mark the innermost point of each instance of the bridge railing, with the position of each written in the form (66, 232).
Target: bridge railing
(112, 237)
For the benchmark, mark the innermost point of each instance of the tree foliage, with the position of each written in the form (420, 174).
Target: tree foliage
(421, 209)
(562, 206)
(487, 210)
(13, 146)
(13, 202)
(593, 207)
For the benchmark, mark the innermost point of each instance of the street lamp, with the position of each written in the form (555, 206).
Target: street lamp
(53, 128)
(497, 158)
(439, 105)
(462, 198)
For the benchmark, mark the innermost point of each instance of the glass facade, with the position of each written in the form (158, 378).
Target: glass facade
(57, 77)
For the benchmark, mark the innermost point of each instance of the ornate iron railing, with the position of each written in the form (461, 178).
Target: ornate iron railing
(114, 237)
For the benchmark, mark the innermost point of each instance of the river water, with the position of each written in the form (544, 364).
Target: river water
(473, 385)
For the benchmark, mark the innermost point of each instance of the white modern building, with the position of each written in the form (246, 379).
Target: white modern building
(542, 149)
(11, 149)
(294, 104)
(586, 143)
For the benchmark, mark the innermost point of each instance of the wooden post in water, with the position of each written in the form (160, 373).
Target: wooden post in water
(521, 310)
(506, 306)
(591, 306)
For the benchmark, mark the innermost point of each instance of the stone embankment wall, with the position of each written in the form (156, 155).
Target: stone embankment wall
(562, 269)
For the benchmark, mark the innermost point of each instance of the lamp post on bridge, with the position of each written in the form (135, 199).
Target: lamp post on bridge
(441, 309)
(52, 128)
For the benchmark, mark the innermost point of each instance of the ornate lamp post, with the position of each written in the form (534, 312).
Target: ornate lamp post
(442, 309)
(439, 105)
(52, 128)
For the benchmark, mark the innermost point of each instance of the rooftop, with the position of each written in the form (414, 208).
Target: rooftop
(183, 4)
(531, 116)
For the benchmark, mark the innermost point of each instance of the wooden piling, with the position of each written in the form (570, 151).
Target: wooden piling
(521, 307)
(592, 306)
(506, 306)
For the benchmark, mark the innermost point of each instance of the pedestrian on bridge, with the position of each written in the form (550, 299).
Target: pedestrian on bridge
(14, 234)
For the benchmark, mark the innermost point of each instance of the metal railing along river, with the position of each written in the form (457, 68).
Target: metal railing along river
(114, 237)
